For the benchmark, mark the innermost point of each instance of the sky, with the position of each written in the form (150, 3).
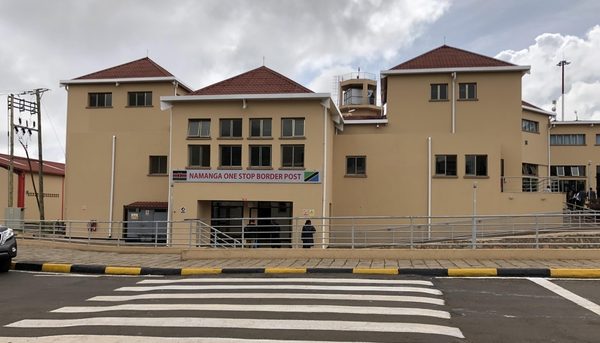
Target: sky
(310, 41)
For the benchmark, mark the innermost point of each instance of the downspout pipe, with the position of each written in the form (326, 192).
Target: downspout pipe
(112, 186)
(429, 156)
(324, 198)
(453, 103)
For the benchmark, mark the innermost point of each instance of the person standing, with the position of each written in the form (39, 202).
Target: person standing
(307, 235)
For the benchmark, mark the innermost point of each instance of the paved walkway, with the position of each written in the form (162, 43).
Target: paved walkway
(28, 253)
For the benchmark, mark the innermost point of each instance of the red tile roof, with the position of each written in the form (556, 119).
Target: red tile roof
(449, 57)
(21, 165)
(261, 80)
(144, 67)
(148, 205)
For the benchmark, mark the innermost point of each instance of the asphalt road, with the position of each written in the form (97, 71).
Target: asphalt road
(339, 308)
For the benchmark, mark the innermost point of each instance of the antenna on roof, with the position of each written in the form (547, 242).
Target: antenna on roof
(147, 52)
(263, 61)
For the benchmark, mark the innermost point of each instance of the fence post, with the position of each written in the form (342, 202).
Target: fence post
(537, 233)
(411, 232)
(243, 234)
(190, 238)
(155, 234)
(474, 234)
(353, 232)
(89, 230)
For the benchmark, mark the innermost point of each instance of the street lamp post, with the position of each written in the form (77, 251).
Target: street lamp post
(562, 65)
(474, 229)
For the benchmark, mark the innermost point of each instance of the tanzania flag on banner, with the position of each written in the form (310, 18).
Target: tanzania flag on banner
(311, 176)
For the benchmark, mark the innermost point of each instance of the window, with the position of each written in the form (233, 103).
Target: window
(139, 99)
(353, 96)
(199, 156)
(567, 171)
(231, 155)
(231, 128)
(574, 139)
(356, 165)
(530, 126)
(260, 127)
(292, 127)
(260, 155)
(292, 156)
(597, 139)
(530, 180)
(439, 91)
(476, 165)
(199, 128)
(100, 99)
(467, 91)
(158, 165)
(445, 165)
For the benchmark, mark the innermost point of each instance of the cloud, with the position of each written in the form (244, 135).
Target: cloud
(581, 76)
(201, 42)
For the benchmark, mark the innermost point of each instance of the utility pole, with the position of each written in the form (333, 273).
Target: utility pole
(38, 98)
(11, 144)
(562, 65)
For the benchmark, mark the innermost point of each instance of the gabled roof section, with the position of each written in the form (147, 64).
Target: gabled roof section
(533, 108)
(261, 80)
(21, 165)
(449, 57)
(144, 67)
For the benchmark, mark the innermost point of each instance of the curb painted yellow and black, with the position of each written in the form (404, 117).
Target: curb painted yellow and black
(452, 272)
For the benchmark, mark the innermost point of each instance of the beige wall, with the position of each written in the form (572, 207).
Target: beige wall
(140, 132)
(397, 162)
(53, 201)
(195, 196)
(583, 155)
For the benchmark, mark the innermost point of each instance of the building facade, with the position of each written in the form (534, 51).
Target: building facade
(451, 125)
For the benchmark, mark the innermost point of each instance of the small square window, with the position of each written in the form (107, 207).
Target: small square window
(158, 165)
(231, 155)
(439, 91)
(199, 128)
(445, 165)
(231, 128)
(467, 91)
(356, 165)
(476, 165)
(139, 99)
(260, 127)
(199, 156)
(292, 156)
(292, 127)
(99, 99)
(260, 155)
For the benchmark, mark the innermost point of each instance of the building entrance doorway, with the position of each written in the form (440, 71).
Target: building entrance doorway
(226, 216)
(274, 223)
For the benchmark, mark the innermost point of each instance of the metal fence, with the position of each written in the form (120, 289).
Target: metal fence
(579, 229)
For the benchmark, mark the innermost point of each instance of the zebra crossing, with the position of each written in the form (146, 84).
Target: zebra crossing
(247, 310)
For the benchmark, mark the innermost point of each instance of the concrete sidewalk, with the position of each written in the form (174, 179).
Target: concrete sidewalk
(51, 253)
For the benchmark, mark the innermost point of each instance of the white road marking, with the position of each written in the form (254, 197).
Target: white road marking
(315, 296)
(581, 301)
(288, 280)
(144, 339)
(399, 311)
(262, 324)
(280, 287)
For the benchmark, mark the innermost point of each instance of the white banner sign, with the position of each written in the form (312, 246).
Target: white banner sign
(247, 176)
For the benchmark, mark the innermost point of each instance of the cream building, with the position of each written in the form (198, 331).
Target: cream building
(451, 125)
(24, 194)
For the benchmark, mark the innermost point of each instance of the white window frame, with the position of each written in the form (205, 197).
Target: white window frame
(261, 127)
(295, 126)
(198, 133)
(438, 88)
(468, 95)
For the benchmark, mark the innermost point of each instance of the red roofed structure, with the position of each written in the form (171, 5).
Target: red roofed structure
(21, 165)
(144, 67)
(448, 57)
(261, 80)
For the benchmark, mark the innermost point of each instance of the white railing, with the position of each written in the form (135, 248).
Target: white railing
(575, 228)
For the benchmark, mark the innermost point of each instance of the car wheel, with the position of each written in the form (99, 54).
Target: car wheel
(5, 265)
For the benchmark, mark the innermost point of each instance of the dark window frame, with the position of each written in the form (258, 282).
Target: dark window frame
(464, 92)
(157, 165)
(234, 161)
(261, 156)
(568, 139)
(202, 155)
(228, 129)
(480, 165)
(294, 127)
(531, 126)
(261, 128)
(99, 99)
(447, 165)
(439, 91)
(139, 99)
(352, 162)
(294, 163)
